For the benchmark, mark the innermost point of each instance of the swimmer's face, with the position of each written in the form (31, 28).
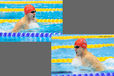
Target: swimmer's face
(31, 15)
(78, 50)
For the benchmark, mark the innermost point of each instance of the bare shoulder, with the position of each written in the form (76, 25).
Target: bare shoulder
(18, 25)
(89, 56)
(94, 61)
(20, 22)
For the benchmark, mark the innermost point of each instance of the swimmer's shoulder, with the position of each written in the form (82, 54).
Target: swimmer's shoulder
(89, 55)
(20, 23)
(92, 59)
(22, 20)
(96, 64)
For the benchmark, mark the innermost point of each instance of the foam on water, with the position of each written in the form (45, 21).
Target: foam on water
(109, 64)
(76, 62)
(33, 27)
(41, 27)
(6, 27)
(79, 68)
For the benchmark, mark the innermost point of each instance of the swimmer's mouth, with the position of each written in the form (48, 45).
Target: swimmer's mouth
(77, 54)
(33, 16)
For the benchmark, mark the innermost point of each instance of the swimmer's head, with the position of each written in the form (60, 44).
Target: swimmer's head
(80, 45)
(30, 11)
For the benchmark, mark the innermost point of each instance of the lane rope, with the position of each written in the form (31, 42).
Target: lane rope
(88, 46)
(86, 74)
(38, 20)
(69, 60)
(31, 2)
(37, 9)
(87, 36)
(24, 34)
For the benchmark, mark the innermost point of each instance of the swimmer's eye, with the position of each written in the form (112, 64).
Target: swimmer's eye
(76, 47)
(33, 11)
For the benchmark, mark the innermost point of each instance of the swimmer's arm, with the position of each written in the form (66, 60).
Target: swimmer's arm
(17, 26)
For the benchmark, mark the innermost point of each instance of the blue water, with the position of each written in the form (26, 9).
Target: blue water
(35, 5)
(39, 15)
(25, 39)
(44, 27)
(64, 53)
(89, 41)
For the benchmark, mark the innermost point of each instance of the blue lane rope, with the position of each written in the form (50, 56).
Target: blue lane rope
(28, 34)
(91, 74)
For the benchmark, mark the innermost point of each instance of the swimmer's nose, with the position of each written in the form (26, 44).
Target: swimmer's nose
(34, 13)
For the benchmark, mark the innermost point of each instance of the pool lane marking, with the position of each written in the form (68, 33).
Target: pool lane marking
(37, 9)
(38, 20)
(76, 37)
(31, 2)
(69, 60)
(88, 46)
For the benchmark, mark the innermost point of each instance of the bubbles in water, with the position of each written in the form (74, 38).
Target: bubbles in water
(109, 64)
(33, 25)
(76, 62)
(6, 7)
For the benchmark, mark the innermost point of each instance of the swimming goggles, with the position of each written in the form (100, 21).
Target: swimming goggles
(76, 47)
(33, 11)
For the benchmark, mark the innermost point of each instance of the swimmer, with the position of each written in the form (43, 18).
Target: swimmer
(87, 59)
(28, 21)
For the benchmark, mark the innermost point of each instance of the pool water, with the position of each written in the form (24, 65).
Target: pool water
(64, 53)
(44, 26)
(25, 39)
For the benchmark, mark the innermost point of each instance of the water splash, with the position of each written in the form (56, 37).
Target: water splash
(109, 64)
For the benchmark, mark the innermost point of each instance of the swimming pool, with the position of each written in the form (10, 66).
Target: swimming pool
(63, 52)
(49, 15)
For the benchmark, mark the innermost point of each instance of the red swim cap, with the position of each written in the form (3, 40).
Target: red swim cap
(81, 42)
(28, 8)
